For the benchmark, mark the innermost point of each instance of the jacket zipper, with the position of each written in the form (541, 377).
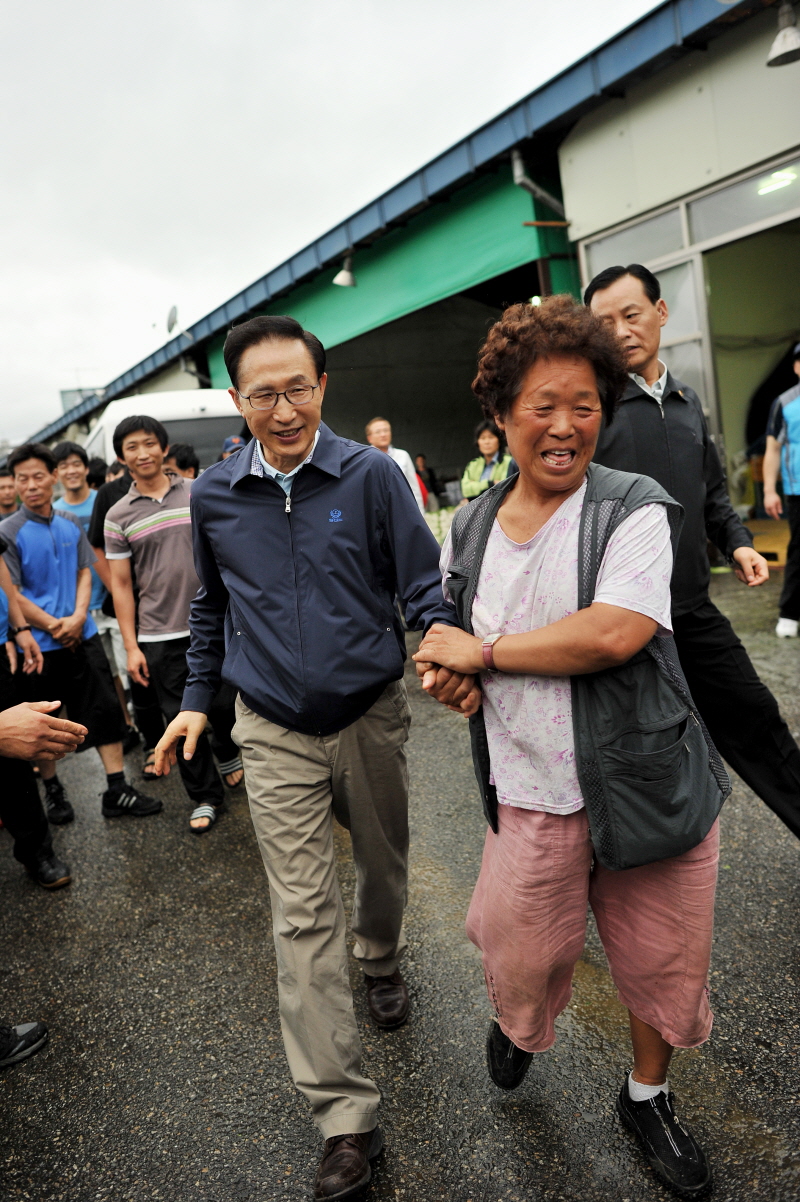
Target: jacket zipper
(666, 438)
(287, 509)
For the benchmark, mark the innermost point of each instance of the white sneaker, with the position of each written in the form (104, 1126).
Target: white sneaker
(786, 628)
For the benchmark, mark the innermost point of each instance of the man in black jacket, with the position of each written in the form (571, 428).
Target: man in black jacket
(660, 431)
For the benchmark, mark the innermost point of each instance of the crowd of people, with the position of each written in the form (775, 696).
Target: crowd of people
(567, 616)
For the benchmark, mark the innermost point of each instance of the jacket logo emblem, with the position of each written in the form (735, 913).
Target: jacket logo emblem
(336, 515)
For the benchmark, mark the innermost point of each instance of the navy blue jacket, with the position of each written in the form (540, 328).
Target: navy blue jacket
(296, 609)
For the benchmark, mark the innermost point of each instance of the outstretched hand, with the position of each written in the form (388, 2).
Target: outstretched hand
(29, 731)
(188, 725)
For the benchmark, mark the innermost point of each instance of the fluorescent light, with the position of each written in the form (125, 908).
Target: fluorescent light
(778, 179)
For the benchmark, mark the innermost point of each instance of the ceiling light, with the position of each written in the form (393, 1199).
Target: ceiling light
(786, 47)
(778, 179)
(345, 277)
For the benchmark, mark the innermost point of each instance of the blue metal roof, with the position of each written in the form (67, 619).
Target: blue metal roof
(645, 47)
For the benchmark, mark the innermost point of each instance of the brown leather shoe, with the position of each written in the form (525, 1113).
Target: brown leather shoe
(345, 1169)
(387, 999)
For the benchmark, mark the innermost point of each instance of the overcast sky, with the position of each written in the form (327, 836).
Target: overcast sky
(171, 151)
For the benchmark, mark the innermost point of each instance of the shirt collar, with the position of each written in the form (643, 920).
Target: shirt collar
(37, 517)
(327, 454)
(135, 495)
(656, 390)
(260, 467)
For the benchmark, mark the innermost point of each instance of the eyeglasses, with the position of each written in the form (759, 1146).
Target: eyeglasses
(300, 394)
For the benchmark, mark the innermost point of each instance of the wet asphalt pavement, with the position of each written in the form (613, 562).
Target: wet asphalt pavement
(165, 1076)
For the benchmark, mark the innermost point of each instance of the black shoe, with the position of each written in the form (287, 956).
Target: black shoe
(507, 1063)
(387, 1000)
(344, 1170)
(673, 1153)
(56, 807)
(20, 1042)
(128, 800)
(48, 871)
(131, 740)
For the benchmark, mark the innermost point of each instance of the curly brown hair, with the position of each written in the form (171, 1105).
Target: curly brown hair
(558, 326)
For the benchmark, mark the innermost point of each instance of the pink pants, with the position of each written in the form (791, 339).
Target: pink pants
(528, 917)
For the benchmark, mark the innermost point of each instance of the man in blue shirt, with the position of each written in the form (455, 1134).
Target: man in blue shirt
(302, 541)
(49, 557)
(20, 805)
(72, 466)
(782, 458)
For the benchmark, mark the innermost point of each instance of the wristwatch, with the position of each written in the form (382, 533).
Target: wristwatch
(488, 651)
(15, 630)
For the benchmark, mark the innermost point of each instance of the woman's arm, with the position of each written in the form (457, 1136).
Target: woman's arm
(602, 636)
(471, 483)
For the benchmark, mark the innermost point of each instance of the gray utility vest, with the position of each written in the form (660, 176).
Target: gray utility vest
(651, 779)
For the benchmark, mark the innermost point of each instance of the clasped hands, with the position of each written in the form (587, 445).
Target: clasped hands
(447, 662)
(67, 631)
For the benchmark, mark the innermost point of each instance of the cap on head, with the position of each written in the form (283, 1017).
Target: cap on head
(232, 444)
(796, 351)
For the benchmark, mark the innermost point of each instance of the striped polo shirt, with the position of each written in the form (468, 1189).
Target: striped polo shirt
(157, 535)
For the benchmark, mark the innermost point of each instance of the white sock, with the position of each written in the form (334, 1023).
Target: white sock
(642, 1093)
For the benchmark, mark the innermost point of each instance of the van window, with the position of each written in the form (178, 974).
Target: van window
(205, 434)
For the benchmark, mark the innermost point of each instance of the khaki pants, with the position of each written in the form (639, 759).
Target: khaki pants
(296, 785)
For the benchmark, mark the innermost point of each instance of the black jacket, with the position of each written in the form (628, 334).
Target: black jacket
(675, 449)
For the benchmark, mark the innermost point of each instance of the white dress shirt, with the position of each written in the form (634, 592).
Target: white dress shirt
(656, 391)
(403, 461)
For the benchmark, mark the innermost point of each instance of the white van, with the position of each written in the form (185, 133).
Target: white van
(203, 417)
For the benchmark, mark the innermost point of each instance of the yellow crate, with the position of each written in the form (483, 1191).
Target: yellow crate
(771, 539)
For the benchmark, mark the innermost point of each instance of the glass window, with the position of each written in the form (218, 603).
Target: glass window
(753, 199)
(677, 289)
(685, 362)
(205, 434)
(638, 244)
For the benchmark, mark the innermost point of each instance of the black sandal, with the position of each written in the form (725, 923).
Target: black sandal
(149, 761)
(228, 768)
(210, 812)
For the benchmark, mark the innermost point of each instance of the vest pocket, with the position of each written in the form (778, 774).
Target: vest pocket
(646, 755)
(658, 801)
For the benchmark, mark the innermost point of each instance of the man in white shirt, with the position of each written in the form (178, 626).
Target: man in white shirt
(379, 435)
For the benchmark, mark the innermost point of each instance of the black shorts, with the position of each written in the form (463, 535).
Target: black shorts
(82, 681)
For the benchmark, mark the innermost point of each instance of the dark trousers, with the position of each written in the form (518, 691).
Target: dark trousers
(740, 712)
(790, 593)
(149, 718)
(81, 680)
(168, 671)
(222, 717)
(21, 808)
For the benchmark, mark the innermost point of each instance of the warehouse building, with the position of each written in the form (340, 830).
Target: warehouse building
(673, 144)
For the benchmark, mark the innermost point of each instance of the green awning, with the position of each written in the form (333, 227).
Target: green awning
(475, 235)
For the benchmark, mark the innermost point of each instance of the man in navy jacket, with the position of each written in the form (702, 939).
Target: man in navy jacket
(302, 542)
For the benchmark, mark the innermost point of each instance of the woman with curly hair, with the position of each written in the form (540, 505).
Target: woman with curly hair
(598, 779)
